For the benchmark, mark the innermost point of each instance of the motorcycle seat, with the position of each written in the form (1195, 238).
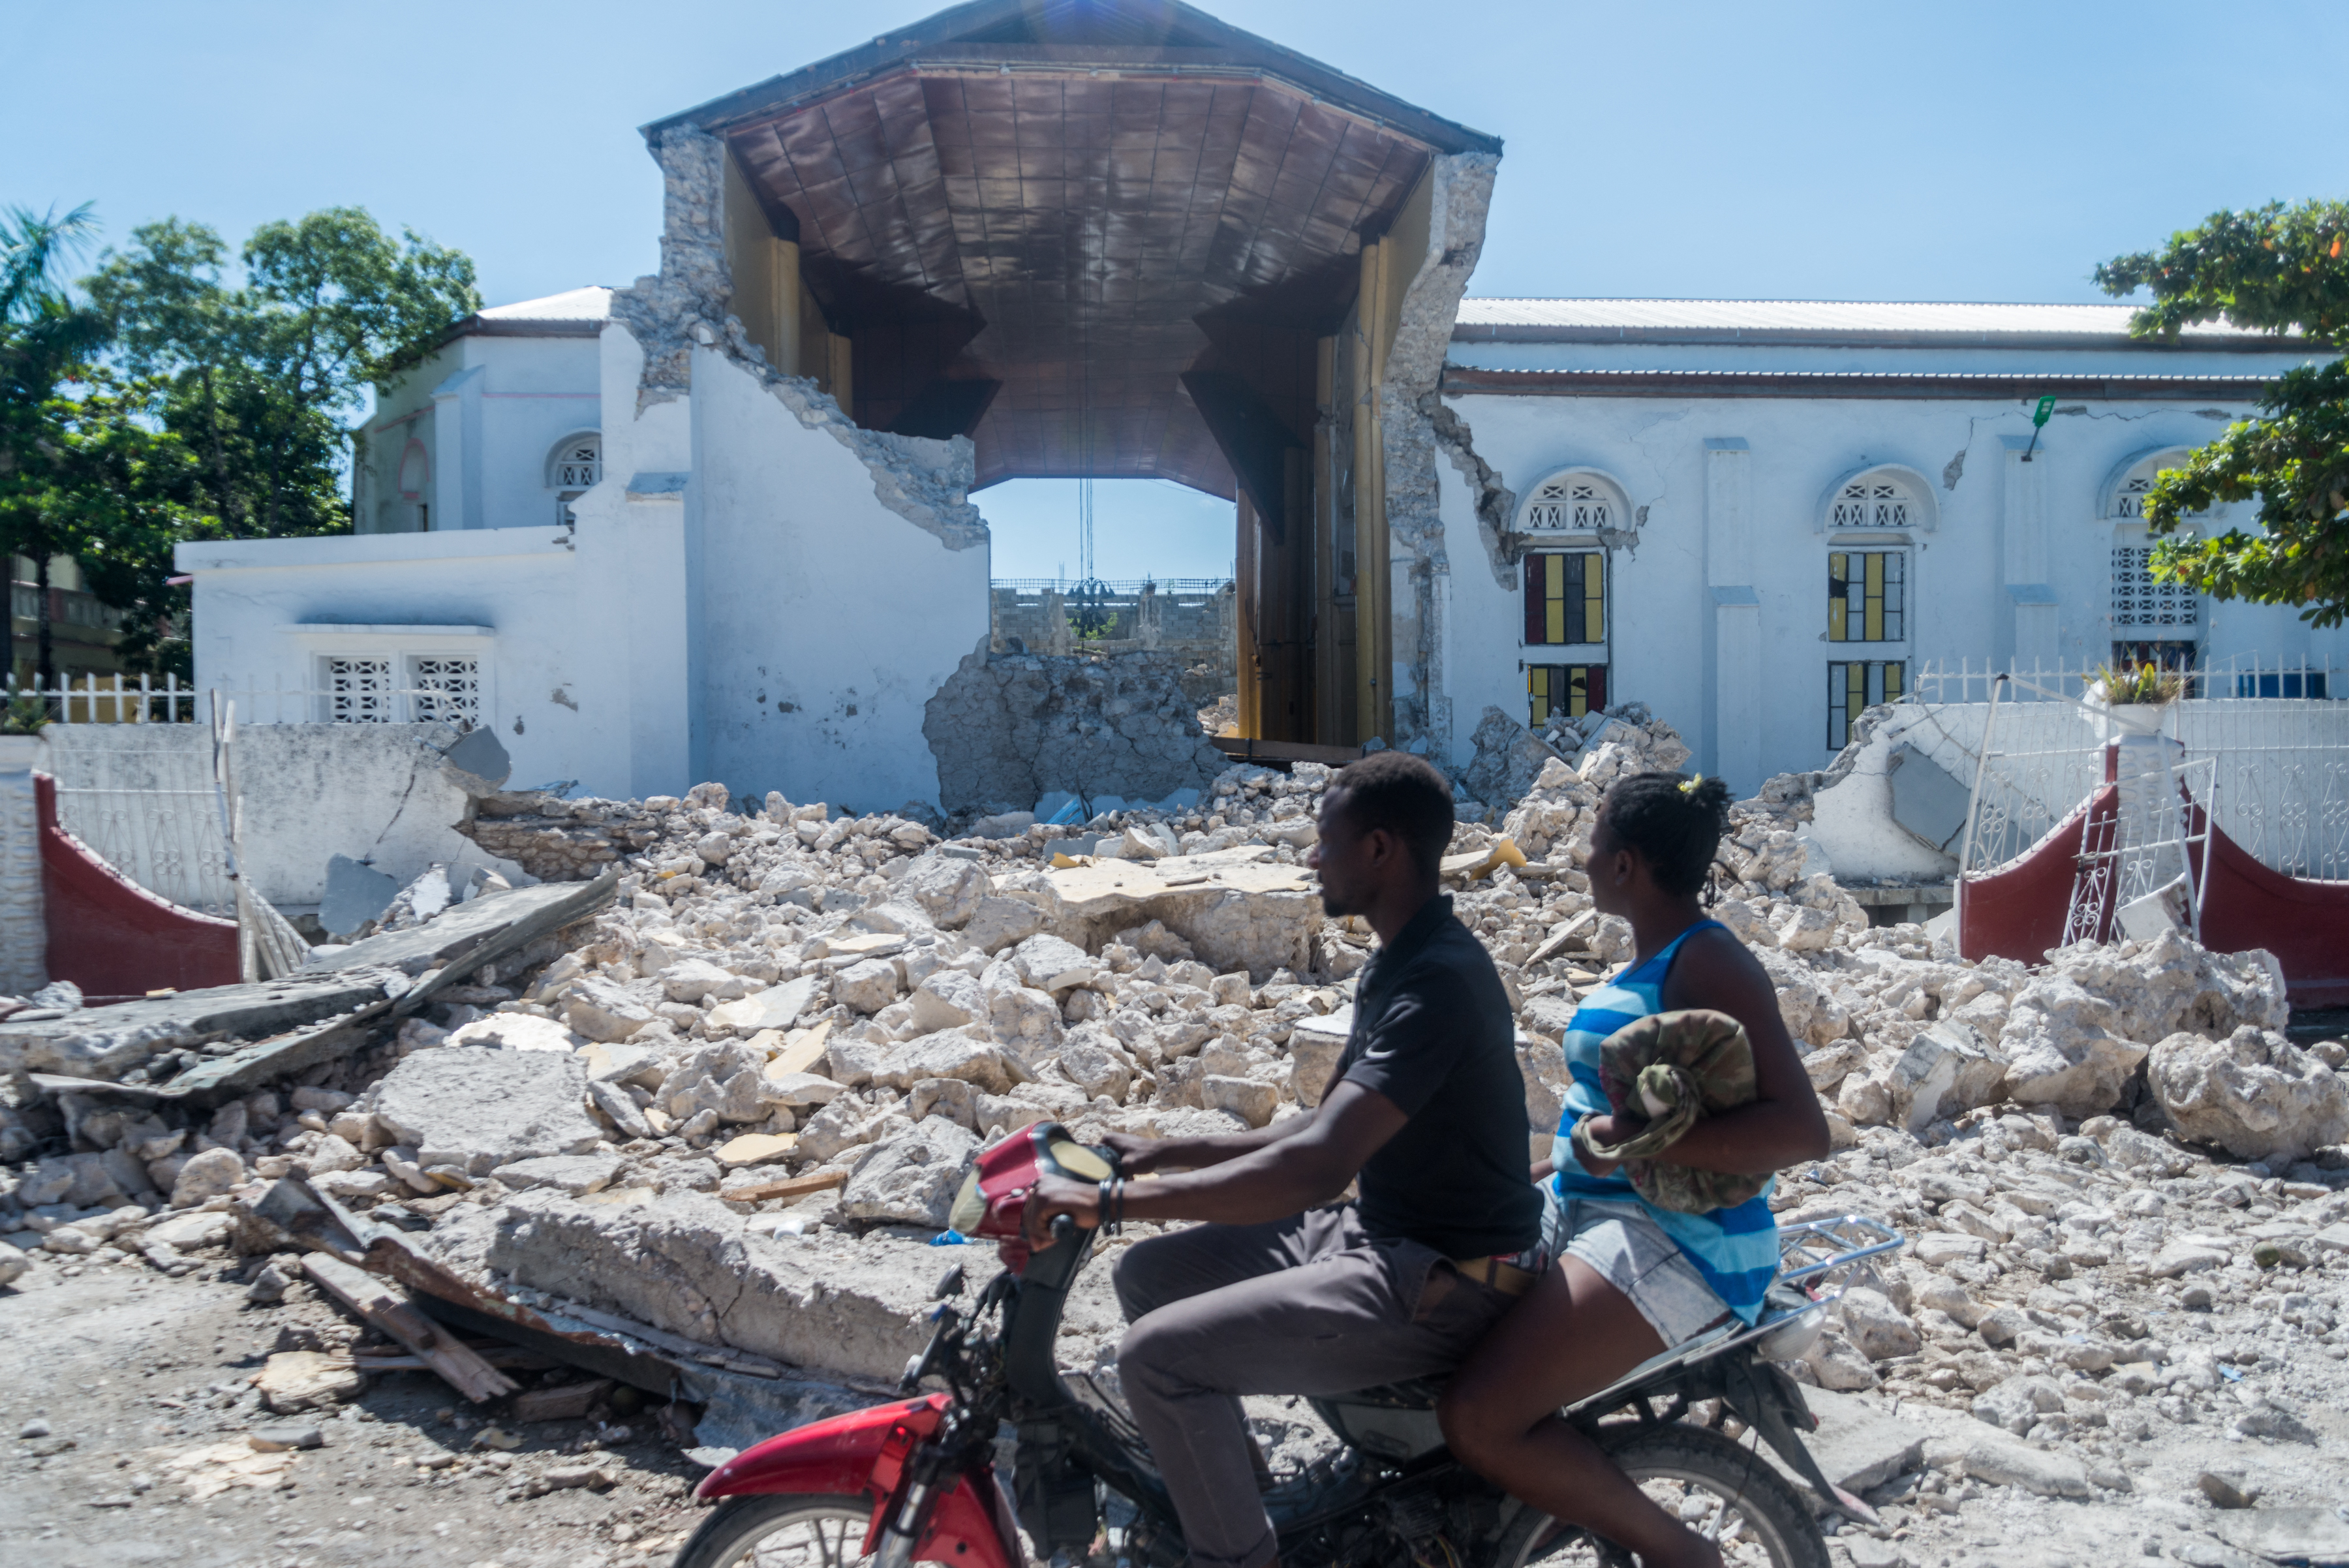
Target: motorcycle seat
(1411, 1394)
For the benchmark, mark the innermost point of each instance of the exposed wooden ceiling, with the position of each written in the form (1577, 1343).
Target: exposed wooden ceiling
(1052, 196)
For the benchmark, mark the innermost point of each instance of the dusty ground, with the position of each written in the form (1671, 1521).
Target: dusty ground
(131, 1370)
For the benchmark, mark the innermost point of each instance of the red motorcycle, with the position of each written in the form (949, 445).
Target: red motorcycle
(916, 1482)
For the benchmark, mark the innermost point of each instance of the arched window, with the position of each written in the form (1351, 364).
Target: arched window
(575, 469)
(2124, 495)
(415, 471)
(1574, 501)
(1879, 498)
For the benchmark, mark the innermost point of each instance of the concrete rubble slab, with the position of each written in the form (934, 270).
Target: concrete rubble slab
(461, 938)
(103, 1043)
(2286, 1534)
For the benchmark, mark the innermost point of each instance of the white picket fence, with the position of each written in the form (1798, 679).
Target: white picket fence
(147, 700)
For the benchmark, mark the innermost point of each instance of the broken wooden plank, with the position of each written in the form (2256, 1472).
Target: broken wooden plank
(387, 1306)
(501, 1356)
(788, 1187)
(1240, 748)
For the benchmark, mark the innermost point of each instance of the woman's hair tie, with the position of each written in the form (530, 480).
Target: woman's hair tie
(1688, 786)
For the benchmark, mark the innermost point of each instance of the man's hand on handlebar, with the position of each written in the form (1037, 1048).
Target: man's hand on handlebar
(1057, 1195)
(1136, 1154)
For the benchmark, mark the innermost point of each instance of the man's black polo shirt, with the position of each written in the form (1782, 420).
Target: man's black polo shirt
(1432, 1032)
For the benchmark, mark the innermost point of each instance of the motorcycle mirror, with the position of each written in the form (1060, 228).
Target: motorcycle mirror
(949, 1284)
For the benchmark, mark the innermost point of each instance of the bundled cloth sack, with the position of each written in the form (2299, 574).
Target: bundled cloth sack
(1669, 1069)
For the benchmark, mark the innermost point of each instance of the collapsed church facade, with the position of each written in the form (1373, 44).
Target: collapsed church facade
(738, 541)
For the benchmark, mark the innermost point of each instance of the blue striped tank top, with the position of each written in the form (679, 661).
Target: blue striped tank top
(1735, 1249)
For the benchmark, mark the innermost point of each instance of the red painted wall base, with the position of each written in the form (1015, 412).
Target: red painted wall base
(111, 936)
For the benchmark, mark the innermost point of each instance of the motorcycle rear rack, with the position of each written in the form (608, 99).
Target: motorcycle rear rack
(1809, 1250)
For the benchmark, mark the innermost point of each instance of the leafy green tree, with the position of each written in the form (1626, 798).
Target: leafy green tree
(45, 338)
(2277, 269)
(260, 373)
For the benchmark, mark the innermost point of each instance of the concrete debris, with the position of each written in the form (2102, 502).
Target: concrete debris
(2253, 1094)
(730, 1105)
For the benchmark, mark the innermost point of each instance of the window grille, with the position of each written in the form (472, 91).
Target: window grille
(1566, 597)
(1871, 504)
(2129, 495)
(578, 468)
(579, 465)
(1568, 691)
(1853, 688)
(2142, 604)
(1867, 594)
(358, 691)
(1573, 503)
(447, 690)
(2129, 500)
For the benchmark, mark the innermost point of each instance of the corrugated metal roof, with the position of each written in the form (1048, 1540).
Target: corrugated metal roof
(593, 303)
(1782, 320)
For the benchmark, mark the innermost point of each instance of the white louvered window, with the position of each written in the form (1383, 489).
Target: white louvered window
(359, 690)
(2144, 607)
(1575, 504)
(447, 689)
(1873, 503)
(576, 467)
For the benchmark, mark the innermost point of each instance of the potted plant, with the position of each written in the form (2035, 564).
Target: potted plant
(21, 722)
(2134, 698)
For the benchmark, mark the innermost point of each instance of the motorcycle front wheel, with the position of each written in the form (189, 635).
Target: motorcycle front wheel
(781, 1531)
(1716, 1488)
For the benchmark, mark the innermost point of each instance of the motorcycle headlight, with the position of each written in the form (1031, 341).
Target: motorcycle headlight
(970, 1205)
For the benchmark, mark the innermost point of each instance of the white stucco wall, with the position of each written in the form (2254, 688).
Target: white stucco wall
(2000, 523)
(267, 610)
(824, 619)
(488, 413)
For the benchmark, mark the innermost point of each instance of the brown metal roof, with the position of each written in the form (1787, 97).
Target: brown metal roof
(1067, 198)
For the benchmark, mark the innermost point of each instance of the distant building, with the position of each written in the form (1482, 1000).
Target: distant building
(718, 524)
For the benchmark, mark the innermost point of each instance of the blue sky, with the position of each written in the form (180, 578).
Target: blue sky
(1990, 151)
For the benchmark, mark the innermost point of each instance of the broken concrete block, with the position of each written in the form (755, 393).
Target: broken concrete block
(207, 1176)
(1945, 1071)
(1094, 1064)
(1858, 1445)
(968, 1053)
(576, 1174)
(947, 889)
(2001, 1461)
(691, 979)
(868, 985)
(1050, 963)
(606, 1011)
(998, 922)
(911, 1179)
(516, 1032)
(753, 1148)
(1250, 1099)
(802, 1091)
(776, 1008)
(948, 998)
(478, 764)
(478, 1109)
(613, 1102)
(295, 1380)
(2254, 1093)
(1314, 1047)
(1877, 1328)
(355, 894)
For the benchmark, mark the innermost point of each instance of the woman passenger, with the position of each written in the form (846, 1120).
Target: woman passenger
(1629, 1280)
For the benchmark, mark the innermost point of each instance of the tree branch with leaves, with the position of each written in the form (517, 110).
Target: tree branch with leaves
(2276, 269)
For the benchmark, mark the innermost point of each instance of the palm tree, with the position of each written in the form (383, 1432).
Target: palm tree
(44, 336)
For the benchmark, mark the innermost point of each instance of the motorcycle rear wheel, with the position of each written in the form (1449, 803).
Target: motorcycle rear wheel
(1719, 1488)
(787, 1530)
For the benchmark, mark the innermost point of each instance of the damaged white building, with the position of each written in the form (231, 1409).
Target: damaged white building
(721, 524)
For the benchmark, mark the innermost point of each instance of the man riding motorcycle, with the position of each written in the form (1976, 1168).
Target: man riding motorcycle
(1281, 1296)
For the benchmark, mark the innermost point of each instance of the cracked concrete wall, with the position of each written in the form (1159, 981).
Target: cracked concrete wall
(1007, 729)
(823, 580)
(1653, 448)
(1419, 548)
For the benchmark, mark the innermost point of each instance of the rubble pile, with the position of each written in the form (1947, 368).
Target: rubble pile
(732, 1107)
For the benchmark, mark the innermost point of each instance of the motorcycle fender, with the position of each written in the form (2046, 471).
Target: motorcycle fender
(865, 1451)
(837, 1456)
